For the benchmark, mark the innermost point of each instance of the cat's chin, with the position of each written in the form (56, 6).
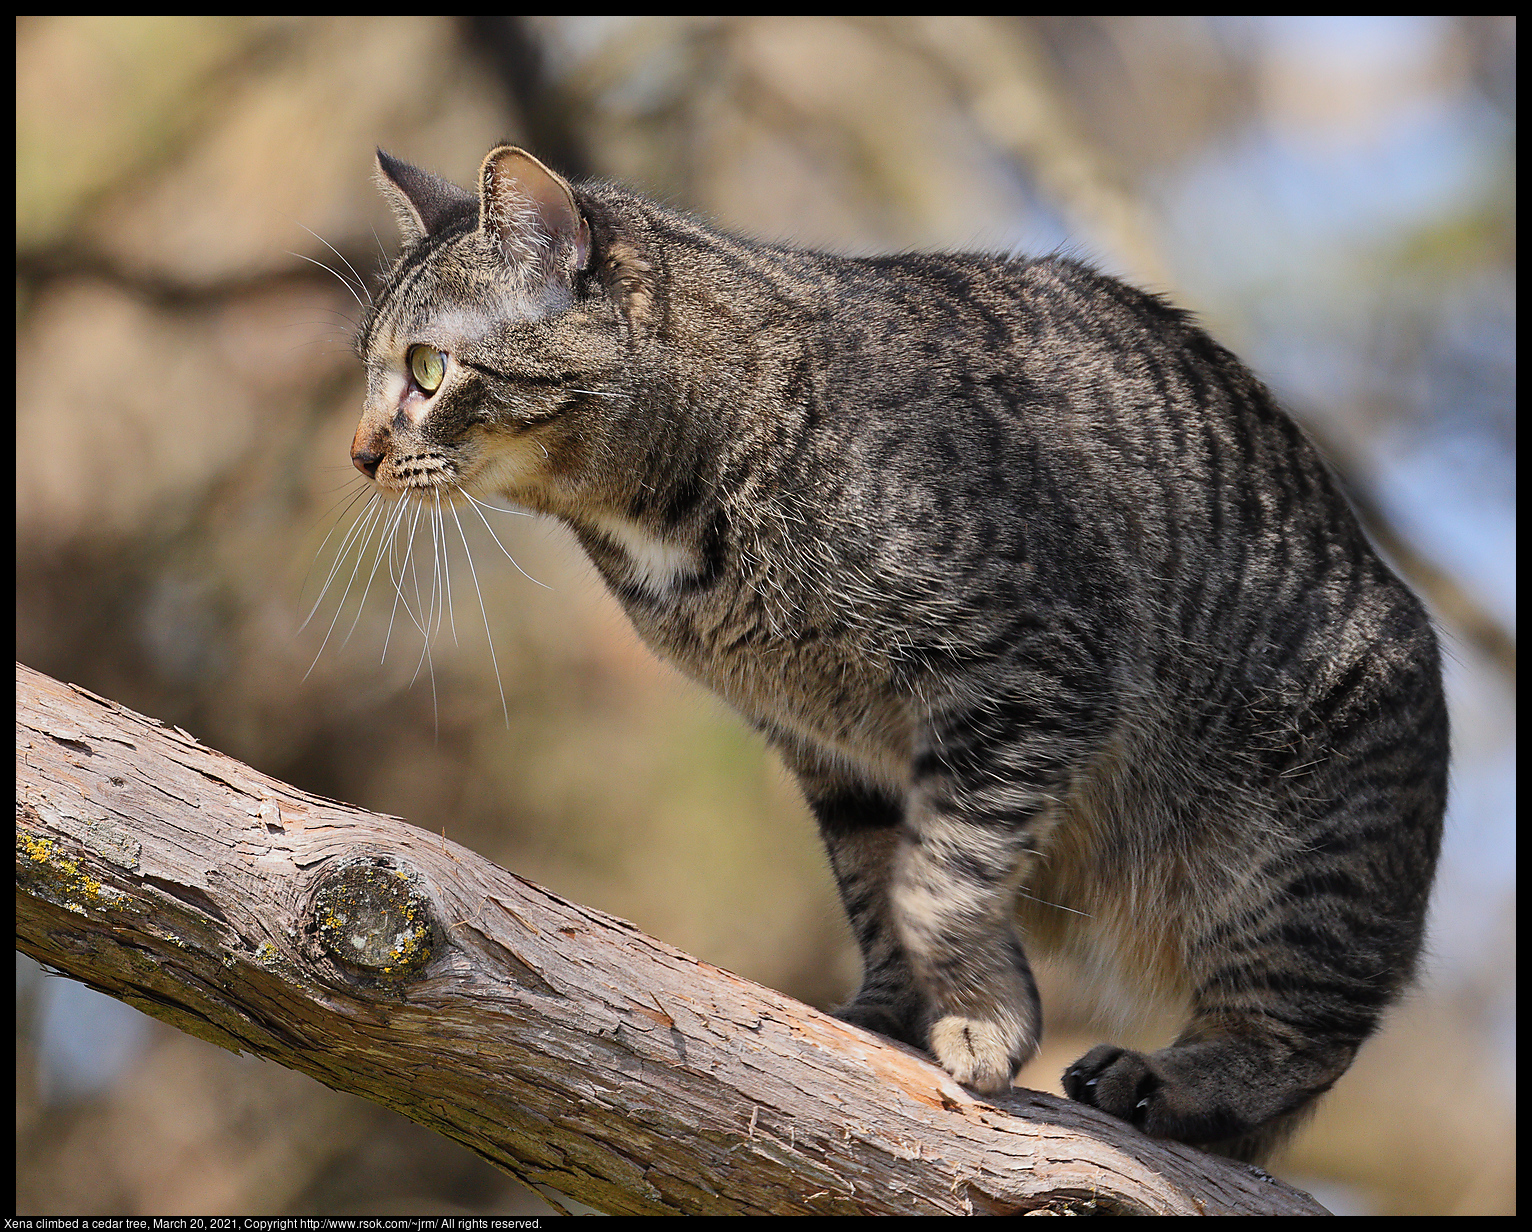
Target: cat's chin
(509, 474)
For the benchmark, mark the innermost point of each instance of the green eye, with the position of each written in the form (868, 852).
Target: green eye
(428, 367)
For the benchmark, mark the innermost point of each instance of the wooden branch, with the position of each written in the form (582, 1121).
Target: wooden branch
(557, 1042)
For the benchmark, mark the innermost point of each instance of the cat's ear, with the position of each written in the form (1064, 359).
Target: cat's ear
(529, 212)
(423, 203)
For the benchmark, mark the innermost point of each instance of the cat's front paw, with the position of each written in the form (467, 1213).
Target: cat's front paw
(982, 1053)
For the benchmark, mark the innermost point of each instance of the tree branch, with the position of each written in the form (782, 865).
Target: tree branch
(557, 1042)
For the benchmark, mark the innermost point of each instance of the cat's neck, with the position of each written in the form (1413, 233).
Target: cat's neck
(701, 394)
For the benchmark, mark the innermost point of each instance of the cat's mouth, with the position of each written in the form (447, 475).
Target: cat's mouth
(411, 474)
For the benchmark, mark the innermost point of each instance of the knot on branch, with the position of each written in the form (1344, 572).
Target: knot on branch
(371, 916)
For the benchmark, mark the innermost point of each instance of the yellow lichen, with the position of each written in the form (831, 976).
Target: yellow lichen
(68, 876)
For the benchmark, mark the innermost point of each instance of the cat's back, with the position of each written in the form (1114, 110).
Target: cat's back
(1006, 446)
(1039, 410)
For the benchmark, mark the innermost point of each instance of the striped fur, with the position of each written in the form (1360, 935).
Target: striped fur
(1062, 624)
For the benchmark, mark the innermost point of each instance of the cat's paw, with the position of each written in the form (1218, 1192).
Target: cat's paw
(1146, 1092)
(982, 1053)
(1113, 1079)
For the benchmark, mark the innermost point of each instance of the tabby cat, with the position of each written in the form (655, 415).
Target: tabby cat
(1060, 622)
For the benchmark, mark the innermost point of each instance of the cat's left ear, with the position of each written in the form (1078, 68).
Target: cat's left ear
(530, 212)
(423, 203)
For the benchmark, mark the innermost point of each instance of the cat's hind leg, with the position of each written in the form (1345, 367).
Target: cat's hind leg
(1292, 972)
(1287, 987)
(1238, 1091)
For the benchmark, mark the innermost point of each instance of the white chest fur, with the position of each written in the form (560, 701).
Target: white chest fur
(654, 563)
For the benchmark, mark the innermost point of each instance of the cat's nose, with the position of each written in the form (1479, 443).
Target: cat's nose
(366, 461)
(367, 449)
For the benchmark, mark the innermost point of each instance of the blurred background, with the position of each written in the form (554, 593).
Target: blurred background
(1334, 196)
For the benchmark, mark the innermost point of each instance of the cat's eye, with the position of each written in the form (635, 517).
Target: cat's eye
(428, 367)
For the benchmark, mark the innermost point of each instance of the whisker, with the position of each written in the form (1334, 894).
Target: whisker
(489, 637)
(336, 313)
(439, 544)
(339, 556)
(328, 346)
(345, 282)
(341, 606)
(419, 615)
(360, 281)
(388, 530)
(396, 579)
(323, 329)
(520, 513)
(444, 567)
(501, 546)
(356, 529)
(423, 623)
(361, 603)
(1047, 903)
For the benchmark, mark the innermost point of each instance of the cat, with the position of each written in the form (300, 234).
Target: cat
(1061, 623)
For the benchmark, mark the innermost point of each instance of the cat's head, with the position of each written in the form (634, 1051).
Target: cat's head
(493, 351)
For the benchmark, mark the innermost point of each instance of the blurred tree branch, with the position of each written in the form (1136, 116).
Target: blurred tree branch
(999, 76)
(514, 53)
(36, 269)
(998, 73)
(559, 1043)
